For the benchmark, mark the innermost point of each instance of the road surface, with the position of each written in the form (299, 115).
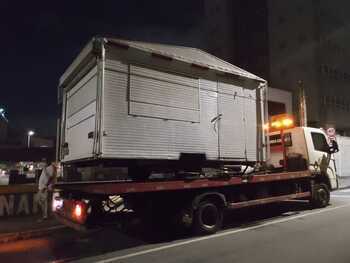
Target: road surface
(287, 233)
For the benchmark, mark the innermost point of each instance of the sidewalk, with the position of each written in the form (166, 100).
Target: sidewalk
(17, 228)
(344, 182)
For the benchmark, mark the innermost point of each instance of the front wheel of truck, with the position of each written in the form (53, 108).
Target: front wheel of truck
(320, 195)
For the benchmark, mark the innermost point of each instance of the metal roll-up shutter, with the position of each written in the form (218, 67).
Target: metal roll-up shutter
(157, 94)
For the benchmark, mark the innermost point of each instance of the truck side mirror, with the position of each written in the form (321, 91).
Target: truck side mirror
(333, 148)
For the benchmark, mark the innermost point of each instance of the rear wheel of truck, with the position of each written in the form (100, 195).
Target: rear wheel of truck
(207, 218)
(320, 195)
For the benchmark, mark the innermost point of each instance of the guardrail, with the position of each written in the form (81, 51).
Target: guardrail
(18, 200)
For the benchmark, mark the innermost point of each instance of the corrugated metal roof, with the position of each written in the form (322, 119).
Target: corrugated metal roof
(188, 55)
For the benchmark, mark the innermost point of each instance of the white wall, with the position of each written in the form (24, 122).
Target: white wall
(281, 96)
(342, 157)
(342, 162)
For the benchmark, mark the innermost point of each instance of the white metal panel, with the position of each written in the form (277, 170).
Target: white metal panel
(162, 95)
(161, 92)
(80, 117)
(146, 138)
(115, 65)
(167, 77)
(77, 137)
(197, 137)
(250, 121)
(231, 125)
(84, 96)
(188, 55)
(128, 136)
(87, 50)
(208, 85)
(163, 112)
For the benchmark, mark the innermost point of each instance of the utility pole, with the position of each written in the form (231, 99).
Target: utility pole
(302, 109)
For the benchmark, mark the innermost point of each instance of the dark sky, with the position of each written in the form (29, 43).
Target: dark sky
(41, 38)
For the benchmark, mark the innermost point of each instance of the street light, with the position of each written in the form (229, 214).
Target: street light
(30, 134)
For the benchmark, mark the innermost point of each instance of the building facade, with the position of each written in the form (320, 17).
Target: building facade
(292, 44)
(308, 47)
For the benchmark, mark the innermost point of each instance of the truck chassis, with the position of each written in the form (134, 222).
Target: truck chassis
(196, 204)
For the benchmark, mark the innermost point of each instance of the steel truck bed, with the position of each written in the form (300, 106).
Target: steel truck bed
(125, 187)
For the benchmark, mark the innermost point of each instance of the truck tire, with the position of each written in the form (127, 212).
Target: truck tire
(320, 195)
(208, 218)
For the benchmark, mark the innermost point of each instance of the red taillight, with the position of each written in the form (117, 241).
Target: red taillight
(78, 211)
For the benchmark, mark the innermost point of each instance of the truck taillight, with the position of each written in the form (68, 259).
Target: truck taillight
(79, 211)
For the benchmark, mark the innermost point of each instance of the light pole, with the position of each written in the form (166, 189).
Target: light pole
(30, 134)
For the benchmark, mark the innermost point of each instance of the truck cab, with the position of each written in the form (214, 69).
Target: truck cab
(305, 148)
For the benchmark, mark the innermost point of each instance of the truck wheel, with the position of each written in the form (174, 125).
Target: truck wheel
(320, 196)
(207, 218)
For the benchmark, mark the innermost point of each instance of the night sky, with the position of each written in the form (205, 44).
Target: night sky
(41, 38)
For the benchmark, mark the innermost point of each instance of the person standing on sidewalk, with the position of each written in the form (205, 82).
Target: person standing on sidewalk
(46, 181)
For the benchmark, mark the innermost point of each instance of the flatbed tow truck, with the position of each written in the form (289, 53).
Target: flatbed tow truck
(198, 203)
(188, 129)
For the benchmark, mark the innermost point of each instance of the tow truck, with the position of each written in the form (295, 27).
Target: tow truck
(300, 166)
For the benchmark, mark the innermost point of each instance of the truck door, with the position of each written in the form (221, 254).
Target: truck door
(80, 111)
(231, 124)
(320, 160)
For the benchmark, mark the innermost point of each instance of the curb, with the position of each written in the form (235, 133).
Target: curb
(23, 235)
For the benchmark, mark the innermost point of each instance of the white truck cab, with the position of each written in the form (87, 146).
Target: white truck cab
(311, 145)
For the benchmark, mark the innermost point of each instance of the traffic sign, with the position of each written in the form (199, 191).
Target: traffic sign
(331, 133)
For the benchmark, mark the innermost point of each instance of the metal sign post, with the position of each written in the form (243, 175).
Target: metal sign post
(284, 150)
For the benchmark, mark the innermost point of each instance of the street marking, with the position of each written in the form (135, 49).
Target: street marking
(278, 221)
(343, 196)
(344, 191)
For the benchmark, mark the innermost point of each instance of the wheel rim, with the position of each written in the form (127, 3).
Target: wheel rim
(209, 216)
(323, 196)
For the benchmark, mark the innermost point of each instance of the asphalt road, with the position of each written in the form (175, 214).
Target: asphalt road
(286, 233)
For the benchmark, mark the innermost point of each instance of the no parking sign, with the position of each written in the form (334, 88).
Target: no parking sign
(331, 133)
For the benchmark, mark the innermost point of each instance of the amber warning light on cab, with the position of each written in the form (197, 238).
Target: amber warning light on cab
(280, 122)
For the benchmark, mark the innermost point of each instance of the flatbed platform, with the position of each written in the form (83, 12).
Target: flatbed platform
(125, 187)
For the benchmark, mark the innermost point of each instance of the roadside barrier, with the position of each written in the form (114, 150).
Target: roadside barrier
(18, 200)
